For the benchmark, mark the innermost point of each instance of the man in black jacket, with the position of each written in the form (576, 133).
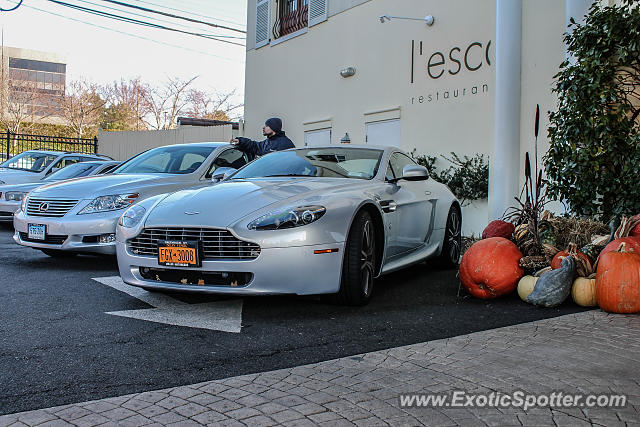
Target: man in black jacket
(276, 140)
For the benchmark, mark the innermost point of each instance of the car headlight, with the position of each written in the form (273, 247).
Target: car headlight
(288, 218)
(132, 216)
(15, 196)
(109, 203)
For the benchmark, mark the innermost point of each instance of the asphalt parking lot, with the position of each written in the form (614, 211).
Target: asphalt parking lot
(59, 344)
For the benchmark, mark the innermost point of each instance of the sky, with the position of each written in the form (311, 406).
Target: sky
(103, 50)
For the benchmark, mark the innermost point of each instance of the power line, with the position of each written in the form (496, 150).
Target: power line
(13, 8)
(131, 35)
(158, 19)
(174, 16)
(138, 22)
(192, 13)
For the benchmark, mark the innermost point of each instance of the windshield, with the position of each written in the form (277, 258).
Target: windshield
(173, 159)
(72, 171)
(29, 161)
(327, 162)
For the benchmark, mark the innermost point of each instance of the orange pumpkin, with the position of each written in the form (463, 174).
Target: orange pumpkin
(489, 268)
(632, 244)
(618, 281)
(498, 228)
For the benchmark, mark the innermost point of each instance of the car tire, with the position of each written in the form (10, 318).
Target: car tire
(452, 243)
(57, 253)
(359, 264)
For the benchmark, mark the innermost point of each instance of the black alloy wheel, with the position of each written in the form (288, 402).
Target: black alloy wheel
(359, 265)
(452, 244)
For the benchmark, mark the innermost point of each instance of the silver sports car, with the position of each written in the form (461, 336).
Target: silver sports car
(81, 216)
(324, 220)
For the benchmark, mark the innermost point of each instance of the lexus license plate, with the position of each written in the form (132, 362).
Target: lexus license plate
(179, 253)
(36, 231)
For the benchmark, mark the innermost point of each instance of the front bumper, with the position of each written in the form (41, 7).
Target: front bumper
(288, 270)
(78, 233)
(7, 209)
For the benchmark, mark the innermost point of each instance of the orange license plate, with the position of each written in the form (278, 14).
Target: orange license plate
(179, 253)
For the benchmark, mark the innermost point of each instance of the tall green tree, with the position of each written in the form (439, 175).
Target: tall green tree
(593, 162)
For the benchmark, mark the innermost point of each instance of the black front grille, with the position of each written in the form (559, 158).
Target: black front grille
(51, 239)
(216, 243)
(6, 214)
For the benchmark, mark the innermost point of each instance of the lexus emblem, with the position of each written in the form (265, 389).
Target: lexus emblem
(43, 207)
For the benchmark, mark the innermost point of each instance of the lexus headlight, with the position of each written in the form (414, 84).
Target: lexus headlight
(109, 203)
(288, 218)
(23, 206)
(132, 216)
(15, 196)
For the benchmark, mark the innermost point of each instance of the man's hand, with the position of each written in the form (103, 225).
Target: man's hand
(234, 141)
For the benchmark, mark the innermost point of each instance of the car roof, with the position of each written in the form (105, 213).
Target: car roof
(197, 144)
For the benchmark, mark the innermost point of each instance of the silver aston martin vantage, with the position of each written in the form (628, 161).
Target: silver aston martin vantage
(324, 220)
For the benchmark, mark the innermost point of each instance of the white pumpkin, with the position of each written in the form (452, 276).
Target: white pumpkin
(583, 292)
(526, 285)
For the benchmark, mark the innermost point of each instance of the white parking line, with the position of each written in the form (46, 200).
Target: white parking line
(223, 316)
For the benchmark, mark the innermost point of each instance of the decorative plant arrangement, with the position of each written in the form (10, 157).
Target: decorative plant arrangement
(547, 258)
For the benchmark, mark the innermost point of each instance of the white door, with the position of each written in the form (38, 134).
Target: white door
(385, 133)
(317, 138)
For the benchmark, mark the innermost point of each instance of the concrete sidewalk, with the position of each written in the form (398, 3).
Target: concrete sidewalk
(589, 353)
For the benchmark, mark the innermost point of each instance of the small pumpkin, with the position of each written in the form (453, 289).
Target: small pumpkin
(498, 228)
(554, 286)
(583, 263)
(592, 250)
(489, 268)
(526, 285)
(583, 291)
(618, 281)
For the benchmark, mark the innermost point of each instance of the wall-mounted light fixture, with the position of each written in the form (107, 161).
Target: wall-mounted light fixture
(427, 19)
(345, 139)
(348, 72)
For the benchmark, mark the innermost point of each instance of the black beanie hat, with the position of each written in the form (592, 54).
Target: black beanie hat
(274, 123)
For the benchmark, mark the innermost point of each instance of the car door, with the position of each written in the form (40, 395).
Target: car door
(409, 207)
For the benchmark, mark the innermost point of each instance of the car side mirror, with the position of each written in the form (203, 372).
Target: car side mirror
(222, 173)
(415, 173)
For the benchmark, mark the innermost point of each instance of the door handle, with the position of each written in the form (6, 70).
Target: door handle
(427, 193)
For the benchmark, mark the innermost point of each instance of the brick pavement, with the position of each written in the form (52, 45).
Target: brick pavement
(585, 353)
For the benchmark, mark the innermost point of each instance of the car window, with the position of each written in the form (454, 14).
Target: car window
(65, 161)
(231, 158)
(396, 163)
(331, 162)
(30, 161)
(191, 162)
(72, 171)
(173, 159)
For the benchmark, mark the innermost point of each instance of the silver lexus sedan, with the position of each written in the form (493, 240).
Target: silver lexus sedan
(80, 216)
(324, 220)
(11, 195)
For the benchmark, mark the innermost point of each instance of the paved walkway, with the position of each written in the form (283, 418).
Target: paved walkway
(586, 353)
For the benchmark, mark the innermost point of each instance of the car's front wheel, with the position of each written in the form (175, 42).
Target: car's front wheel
(359, 264)
(452, 244)
(57, 253)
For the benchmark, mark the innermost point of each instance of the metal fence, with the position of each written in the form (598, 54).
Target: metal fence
(16, 143)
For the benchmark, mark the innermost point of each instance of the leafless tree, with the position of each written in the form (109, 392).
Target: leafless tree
(213, 106)
(82, 106)
(132, 96)
(165, 104)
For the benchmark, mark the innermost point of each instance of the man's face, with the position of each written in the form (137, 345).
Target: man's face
(267, 131)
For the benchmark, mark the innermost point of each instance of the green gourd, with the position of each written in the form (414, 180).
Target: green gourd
(554, 286)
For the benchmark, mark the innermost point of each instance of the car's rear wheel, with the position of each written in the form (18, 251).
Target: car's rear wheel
(57, 253)
(452, 244)
(359, 264)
